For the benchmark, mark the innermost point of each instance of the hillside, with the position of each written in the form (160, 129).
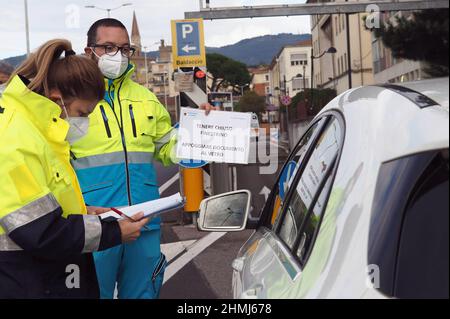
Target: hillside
(259, 50)
(254, 51)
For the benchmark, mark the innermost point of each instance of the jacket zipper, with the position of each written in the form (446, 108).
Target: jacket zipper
(122, 134)
(162, 263)
(133, 122)
(105, 120)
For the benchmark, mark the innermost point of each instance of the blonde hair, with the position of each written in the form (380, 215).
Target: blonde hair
(74, 76)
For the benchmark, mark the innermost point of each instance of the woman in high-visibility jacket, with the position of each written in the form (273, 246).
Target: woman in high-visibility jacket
(46, 234)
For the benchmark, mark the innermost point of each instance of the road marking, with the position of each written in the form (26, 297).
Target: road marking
(280, 146)
(192, 252)
(207, 183)
(266, 192)
(172, 250)
(169, 183)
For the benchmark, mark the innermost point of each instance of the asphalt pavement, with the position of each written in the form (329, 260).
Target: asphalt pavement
(200, 262)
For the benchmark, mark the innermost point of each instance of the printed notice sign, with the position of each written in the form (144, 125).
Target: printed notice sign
(222, 137)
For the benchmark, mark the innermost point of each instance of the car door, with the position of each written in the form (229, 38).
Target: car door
(272, 260)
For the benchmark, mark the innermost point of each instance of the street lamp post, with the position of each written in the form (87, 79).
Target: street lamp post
(27, 28)
(330, 50)
(242, 88)
(304, 78)
(108, 10)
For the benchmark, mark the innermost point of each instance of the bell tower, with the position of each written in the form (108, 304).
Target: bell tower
(136, 36)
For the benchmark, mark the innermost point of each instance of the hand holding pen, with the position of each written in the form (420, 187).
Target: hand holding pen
(133, 219)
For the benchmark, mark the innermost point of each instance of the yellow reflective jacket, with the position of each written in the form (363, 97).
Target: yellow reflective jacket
(42, 210)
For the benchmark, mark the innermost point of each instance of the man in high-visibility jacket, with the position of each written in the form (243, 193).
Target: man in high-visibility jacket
(129, 129)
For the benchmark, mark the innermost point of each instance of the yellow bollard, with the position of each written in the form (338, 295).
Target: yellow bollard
(193, 188)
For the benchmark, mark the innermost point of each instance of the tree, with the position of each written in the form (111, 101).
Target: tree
(252, 102)
(300, 107)
(226, 72)
(423, 37)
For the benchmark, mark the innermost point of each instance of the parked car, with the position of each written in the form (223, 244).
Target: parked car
(360, 208)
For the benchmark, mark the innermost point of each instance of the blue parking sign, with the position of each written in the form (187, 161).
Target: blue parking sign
(188, 38)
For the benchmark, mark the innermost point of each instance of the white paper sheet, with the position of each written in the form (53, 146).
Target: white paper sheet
(222, 137)
(151, 208)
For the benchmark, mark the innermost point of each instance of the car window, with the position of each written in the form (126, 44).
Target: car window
(409, 229)
(306, 203)
(290, 170)
(311, 224)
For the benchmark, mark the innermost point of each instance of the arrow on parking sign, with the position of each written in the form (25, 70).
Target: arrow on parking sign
(188, 49)
(266, 192)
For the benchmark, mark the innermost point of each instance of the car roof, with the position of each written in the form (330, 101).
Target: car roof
(435, 89)
(396, 122)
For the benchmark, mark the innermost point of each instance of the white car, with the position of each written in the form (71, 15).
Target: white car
(361, 207)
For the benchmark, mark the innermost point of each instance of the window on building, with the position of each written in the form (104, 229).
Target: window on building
(299, 59)
(336, 25)
(345, 62)
(340, 23)
(297, 84)
(339, 66)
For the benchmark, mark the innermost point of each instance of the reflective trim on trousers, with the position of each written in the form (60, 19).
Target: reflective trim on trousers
(7, 244)
(112, 159)
(29, 213)
(92, 233)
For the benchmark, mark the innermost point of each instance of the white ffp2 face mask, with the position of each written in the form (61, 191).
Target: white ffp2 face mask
(79, 126)
(112, 67)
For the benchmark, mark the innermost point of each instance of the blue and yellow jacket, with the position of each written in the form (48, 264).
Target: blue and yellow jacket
(128, 130)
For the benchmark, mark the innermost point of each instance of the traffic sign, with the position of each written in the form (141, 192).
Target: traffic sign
(187, 163)
(188, 41)
(286, 100)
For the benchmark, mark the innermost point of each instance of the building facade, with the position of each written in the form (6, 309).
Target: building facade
(333, 70)
(260, 83)
(388, 69)
(290, 71)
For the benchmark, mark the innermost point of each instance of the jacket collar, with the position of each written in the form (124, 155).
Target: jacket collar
(126, 76)
(43, 113)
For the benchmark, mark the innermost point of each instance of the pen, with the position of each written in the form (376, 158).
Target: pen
(115, 210)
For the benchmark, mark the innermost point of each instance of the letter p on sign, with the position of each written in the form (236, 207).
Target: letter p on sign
(186, 30)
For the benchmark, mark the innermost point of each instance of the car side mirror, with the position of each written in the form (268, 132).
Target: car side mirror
(225, 212)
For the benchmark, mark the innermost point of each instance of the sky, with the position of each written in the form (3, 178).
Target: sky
(70, 19)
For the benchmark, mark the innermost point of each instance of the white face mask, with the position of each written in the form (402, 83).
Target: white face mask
(79, 126)
(112, 67)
